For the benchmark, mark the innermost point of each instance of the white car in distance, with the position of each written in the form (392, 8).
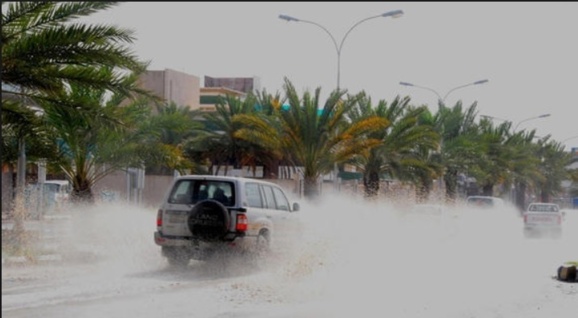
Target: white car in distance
(543, 219)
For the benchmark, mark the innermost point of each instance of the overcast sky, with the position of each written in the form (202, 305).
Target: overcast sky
(528, 51)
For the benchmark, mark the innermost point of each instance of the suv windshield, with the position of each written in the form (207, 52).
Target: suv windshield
(193, 191)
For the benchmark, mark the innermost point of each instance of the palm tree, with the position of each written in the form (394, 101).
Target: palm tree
(43, 51)
(493, 166)
(90, 143)
(311, 137)
(168, 130)
(553, 166)
(524, 166)
(402, 143)
(458, 147)
(217, 139)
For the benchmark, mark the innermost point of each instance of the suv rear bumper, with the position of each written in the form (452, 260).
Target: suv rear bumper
(232, 239)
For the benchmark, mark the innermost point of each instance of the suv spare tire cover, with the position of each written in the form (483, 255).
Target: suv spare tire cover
(208, 220)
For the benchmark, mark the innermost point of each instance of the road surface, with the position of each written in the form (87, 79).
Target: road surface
(353, 260)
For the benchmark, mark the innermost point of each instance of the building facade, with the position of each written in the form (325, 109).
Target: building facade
(242, 84)
(172, 86)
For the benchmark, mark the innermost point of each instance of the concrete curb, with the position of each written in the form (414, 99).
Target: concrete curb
(22, 260)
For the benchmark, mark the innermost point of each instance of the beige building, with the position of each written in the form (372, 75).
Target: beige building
(210, 95)
(181, 88)
(242, 84)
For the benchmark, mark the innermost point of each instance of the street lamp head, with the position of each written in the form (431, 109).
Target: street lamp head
(544, 115)
(481, 82)
(288, 18)
(405, 84)
(394, 14)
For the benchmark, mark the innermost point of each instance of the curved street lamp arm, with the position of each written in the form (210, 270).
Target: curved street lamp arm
(353, 27)
(422, 87)
(527, 119)
(326, 31)
(462, 86)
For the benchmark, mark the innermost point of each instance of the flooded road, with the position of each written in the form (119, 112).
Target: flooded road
(352, 259)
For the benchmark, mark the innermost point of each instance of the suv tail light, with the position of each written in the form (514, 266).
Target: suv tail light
(160, 218)
(525, 218)
(242, 222)
(559, 219)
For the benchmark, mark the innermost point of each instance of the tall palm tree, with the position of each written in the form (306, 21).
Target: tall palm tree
(399, 154)
(525, 164)
(493, 165)
(44, 51)
(553, 167)
(458, 147)
(313, 137)
(90, 143)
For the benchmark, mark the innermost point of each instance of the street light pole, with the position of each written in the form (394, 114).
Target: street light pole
(527, 119)
(440, 99)
(339, 47)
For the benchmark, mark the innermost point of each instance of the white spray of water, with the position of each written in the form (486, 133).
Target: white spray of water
(351, 257)
(373, 259)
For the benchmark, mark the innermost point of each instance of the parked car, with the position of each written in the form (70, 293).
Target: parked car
(58, 190)
(543, 219)
(204, 214)
(485, 202)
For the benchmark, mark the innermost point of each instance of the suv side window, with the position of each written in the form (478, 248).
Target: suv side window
(282, 202)
(269, 197)
(253, 195)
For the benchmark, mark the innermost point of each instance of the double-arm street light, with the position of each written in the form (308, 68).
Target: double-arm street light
(339, 46)
(441, 99)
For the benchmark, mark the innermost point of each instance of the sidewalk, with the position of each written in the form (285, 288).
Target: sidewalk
(48, 232)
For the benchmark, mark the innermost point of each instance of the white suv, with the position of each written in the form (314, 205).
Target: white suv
(202, 214)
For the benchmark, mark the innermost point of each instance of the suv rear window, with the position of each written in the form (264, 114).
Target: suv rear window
(193, 191)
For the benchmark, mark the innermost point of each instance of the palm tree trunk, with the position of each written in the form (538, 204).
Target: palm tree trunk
(271, 169)
(371, 184)
(521, 196)
(311, 188)
(423, 189)
(82, 192)
(451, 182)
(488, 190)
(19, 211)
(544, 196)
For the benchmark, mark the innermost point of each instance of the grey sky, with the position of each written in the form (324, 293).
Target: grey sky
(528, 51)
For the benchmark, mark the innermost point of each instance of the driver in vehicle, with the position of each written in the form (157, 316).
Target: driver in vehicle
(219, 195)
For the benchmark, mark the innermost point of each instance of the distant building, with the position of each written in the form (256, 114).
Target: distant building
(181, 88)
(241, 84)
(210, 96)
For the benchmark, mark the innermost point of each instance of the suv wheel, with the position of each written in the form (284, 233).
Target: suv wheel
(209, 220)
